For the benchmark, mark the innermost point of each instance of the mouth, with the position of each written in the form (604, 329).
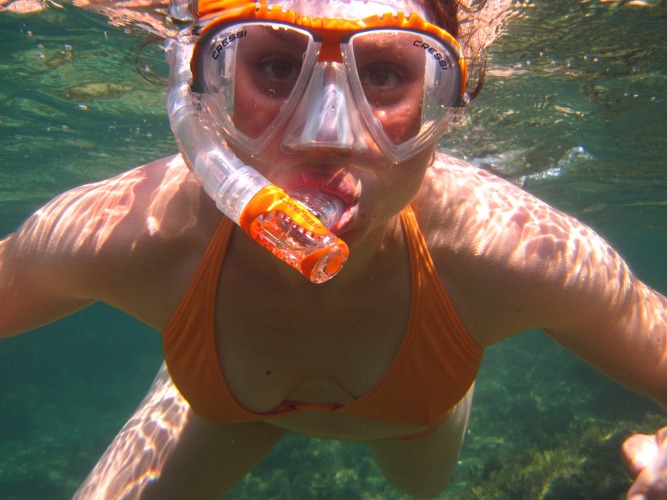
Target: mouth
(337, 183)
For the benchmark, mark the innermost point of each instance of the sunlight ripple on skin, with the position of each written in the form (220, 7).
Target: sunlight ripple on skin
(173, 179)
(497, 214)
(143, 445)
(98, 212)
(96, 217)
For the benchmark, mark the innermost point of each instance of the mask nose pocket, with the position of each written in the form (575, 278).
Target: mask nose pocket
(326, 116)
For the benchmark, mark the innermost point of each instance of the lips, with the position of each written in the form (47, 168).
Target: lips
(336, 181)
(340, 183)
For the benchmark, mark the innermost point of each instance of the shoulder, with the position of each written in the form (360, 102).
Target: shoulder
(504, 254)
(157, 199)
(118, 226)
(464, 209)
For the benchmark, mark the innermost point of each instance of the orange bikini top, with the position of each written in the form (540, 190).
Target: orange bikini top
(435, 366)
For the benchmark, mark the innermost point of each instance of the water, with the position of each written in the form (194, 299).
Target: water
(574, 109)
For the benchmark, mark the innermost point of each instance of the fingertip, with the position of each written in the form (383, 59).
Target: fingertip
(638, 452)
(661, 436)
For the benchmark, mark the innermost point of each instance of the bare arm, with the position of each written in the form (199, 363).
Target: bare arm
(54, 263)
(515, 263)
(110, 241)
(34, 288)
(585, 297)
(66, 254)
(76, 249)
(617, 324)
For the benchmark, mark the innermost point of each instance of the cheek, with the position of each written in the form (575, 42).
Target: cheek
(402, 121)
(253, 111)
(399, 183)
(413, 171)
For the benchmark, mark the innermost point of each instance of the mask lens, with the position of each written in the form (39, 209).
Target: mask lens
(247, 74)
(254, 78)
(409, 84)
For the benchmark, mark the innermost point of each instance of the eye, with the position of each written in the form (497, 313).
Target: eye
(383, 75)
(280, 68)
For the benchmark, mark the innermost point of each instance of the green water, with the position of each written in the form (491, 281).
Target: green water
(574, 108)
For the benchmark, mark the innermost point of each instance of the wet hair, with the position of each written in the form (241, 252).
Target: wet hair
(444, 13)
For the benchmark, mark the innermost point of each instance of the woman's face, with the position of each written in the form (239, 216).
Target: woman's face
(372, 187)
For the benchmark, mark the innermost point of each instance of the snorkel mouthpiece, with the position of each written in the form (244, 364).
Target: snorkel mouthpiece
(291, 231)
(326, 207)
(284, 226)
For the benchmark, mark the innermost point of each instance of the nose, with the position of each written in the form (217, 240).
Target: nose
(326, 116)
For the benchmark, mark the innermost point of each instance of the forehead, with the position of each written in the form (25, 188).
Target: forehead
(350, 9)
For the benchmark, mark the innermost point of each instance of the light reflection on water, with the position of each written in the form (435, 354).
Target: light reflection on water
(74, 108)
(588, 77)
(574, 108)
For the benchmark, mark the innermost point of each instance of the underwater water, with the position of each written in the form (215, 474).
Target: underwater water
(574, 109)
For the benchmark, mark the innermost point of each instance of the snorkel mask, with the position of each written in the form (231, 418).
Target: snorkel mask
(250, 73)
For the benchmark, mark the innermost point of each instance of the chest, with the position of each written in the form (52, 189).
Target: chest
(275, 346)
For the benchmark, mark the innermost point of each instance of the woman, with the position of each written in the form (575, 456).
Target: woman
(256, 350)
